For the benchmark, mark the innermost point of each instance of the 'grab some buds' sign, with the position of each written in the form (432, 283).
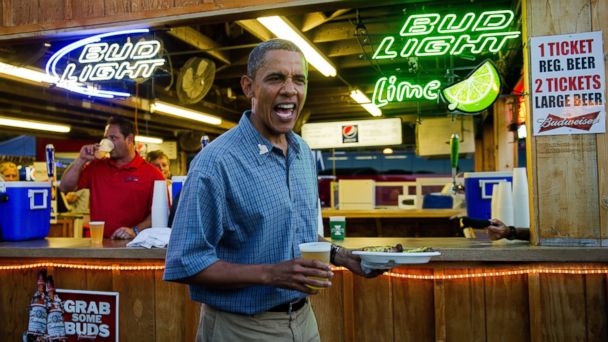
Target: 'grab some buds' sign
(114, 56)
(90, 315)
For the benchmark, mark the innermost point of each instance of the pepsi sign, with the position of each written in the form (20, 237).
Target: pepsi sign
(350, 134)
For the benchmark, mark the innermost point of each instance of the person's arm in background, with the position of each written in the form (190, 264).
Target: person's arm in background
(70, 177)
(498, 230)
(124, 233)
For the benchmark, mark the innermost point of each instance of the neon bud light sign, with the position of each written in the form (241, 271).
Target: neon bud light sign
(100, 60)
(433, 35)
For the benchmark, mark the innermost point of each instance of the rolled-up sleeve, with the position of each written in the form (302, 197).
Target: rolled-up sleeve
(197, 227)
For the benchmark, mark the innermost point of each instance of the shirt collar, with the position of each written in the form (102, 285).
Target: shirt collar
(133, 164)
(258, 144)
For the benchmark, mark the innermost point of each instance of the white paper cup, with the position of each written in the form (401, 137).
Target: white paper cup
(316, 251)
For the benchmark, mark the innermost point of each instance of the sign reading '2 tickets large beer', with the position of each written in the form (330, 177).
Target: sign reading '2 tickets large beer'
(568, 84)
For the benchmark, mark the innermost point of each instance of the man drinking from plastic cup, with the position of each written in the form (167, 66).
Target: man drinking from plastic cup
(121, 186)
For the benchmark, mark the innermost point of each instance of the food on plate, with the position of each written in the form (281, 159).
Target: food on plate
(384, 249)
(396, 249)
(419, 250)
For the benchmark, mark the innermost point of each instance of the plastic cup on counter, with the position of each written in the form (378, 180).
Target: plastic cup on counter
(96, 229)
(337, 227)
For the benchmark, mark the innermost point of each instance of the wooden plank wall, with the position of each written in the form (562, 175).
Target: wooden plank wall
(150, 309)
(485, 152)
(23, 18)
(599, 22)
(546, 307)
(566, 168)
(504, 139)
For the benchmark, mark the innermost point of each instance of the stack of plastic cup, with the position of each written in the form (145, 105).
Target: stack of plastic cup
(502, 202)
(160, 205)
(521, 202)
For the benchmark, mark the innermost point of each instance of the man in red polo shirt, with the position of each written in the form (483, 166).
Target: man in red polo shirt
(121, 186)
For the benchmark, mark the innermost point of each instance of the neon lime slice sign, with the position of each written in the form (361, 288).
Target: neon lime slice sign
(433, 35)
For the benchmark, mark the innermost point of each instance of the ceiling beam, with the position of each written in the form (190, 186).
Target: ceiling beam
(345, 47)
(344, 30)
(314, 19)
(193, 37)
(256, 29)
(99, 110)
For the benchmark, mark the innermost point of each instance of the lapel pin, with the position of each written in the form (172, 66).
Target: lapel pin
(263, 148)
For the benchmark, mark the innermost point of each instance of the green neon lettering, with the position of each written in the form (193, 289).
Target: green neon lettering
(388, 90)
(434, 46)
(431, 91)
(419, 24)
(456, 33)
(493, 41)
(447, 24)
(383, 51)
(493, 20)
(409, 47)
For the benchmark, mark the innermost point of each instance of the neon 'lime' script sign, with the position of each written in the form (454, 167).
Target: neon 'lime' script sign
(388, 89)
(434, 35)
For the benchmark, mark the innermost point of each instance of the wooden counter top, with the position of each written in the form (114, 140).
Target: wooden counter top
(60, 247)
(394, 213)
(452, 250)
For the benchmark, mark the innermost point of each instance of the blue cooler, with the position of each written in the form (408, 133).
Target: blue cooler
(177, 182)
(25, 210)
(478, 191)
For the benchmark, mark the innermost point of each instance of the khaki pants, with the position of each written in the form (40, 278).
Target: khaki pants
(220, 326)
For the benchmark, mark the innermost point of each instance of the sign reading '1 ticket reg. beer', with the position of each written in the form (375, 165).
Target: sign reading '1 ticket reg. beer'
(90, 315)
(568, 84)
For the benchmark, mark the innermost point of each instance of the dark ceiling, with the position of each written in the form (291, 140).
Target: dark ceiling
(348, 36)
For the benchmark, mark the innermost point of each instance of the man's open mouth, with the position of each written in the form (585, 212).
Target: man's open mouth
(285, 110)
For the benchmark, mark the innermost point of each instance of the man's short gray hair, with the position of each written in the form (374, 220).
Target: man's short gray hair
(256, 57)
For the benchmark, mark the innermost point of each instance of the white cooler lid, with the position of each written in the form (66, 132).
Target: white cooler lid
(27, 184)
(488, 174)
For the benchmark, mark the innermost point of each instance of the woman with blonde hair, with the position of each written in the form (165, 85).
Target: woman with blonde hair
(160, 159)
(9, 171)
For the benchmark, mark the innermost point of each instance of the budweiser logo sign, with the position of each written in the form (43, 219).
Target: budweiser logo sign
(583, 122)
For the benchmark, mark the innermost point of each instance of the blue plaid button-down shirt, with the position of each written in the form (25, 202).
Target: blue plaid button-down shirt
(244, 202)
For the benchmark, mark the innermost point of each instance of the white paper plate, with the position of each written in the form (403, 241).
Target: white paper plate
(384, 260)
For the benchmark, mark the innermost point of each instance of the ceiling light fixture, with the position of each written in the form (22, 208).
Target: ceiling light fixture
(182, 112)
(25, 74)
(148, 140)
(364, 101)
(37, 125)
(282, 28)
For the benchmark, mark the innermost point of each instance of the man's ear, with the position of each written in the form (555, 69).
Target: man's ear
(247, 86)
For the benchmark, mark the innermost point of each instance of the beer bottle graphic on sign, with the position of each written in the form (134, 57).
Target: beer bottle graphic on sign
(36, 327)
(55, 324)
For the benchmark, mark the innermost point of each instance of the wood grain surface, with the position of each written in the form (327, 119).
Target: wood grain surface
(523, 307)
(566, 168)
